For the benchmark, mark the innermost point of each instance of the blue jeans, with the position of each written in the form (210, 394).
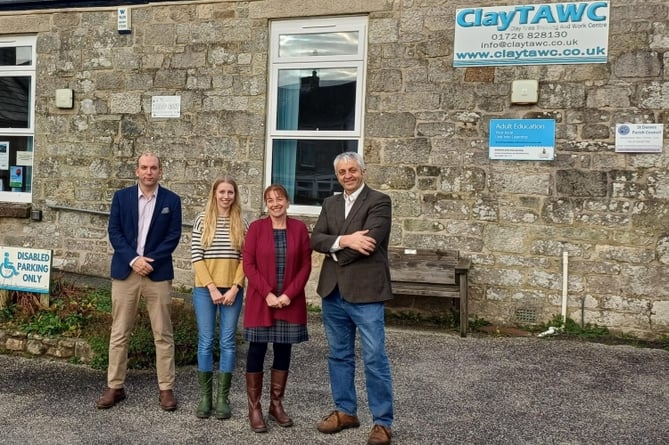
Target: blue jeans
(205, 313)
(341, 319)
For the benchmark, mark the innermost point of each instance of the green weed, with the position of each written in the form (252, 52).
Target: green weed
(571, 328)
(442, 319)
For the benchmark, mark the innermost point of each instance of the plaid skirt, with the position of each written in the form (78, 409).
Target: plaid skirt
(281, 332)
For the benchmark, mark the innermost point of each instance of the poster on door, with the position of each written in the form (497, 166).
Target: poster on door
(16, 176)
(4, 155)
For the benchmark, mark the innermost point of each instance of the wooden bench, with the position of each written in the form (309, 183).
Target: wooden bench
(441, 273)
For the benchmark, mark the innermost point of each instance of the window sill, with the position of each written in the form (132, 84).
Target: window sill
(14, 210)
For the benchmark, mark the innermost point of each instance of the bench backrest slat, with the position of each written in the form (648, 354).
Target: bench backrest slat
(423, 266)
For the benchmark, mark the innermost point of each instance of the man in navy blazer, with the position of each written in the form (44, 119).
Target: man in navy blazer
(144, 230)
(353, 230)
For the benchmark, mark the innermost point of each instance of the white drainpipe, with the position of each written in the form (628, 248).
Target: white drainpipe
(565, 285)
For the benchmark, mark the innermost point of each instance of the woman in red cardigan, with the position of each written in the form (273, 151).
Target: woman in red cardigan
(277, 264)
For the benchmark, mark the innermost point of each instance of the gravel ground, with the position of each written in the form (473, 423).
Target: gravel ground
(474, 390)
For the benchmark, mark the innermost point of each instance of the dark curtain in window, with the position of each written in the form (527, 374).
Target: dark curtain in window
(14, 102)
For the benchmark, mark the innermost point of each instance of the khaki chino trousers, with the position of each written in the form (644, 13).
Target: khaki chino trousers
(126, 296)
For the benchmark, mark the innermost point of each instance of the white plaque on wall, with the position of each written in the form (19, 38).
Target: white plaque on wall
(639, 138)
(166, 106)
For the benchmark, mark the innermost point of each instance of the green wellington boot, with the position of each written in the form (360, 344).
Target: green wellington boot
(204, 407)
(223, 410)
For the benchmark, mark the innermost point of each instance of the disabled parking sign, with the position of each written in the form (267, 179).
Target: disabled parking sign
(27, 270)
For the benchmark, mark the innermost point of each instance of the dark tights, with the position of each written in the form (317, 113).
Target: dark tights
(255, 358)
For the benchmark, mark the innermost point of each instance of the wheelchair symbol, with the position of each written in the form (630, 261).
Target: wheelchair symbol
(7, 269)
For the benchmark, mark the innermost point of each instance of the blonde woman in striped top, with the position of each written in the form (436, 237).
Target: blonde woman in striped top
(217, 242)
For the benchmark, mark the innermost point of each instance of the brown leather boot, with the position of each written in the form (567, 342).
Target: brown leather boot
(337, 421)
(110, 397)
(253, 394)
(167, 400)
(380, 435)
(277, 389)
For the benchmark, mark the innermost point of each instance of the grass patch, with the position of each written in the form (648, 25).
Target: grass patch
(70, 309)
(141, 349)
(83, 312)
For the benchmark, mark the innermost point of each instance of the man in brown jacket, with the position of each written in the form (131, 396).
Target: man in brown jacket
(353, 231)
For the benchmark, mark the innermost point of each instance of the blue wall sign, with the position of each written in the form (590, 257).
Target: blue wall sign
(522, 139)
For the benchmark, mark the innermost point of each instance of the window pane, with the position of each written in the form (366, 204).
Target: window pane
(316, 99)
(324, 44)
(16, 56)
(16, 163)
(14, 102)
(305, 167)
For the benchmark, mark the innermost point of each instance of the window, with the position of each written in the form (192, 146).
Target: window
(316, 89)
(17, 123)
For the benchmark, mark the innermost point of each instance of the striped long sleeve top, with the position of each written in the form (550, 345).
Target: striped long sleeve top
(220, 263)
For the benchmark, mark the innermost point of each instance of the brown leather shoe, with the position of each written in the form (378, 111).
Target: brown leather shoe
(110, 397)
(167, 400)
(380, 435)
(337, 421)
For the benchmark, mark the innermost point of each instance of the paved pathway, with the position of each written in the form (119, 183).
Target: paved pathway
(476, 390)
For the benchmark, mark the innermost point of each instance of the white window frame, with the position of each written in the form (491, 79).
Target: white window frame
(276, 63)
(9, 71)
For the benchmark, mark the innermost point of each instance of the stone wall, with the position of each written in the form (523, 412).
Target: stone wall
(31, 345)
(425, 142)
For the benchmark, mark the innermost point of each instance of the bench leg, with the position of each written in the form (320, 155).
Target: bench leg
(464, 310)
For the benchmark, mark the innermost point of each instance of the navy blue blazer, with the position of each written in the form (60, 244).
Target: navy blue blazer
(163, 236)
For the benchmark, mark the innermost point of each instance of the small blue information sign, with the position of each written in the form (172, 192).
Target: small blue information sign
(522, 139)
